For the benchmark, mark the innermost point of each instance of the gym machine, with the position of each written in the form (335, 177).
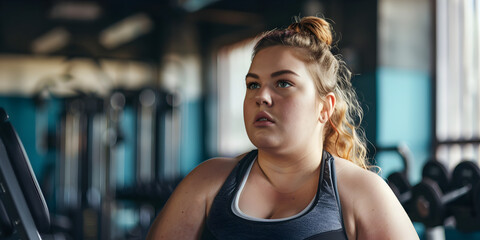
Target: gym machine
(148, 186)
(90, 141)
(23, 211)
(81, 166)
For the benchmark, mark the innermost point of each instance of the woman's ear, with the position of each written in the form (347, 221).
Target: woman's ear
(327, 107)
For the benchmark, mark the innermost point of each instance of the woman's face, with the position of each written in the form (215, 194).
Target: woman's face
(281, 107)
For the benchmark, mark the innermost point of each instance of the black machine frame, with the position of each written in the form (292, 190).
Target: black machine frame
(22, 224)
(23, 211)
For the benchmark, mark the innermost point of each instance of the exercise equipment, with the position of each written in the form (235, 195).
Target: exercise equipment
(432, 170)
(432, 205)
(82, 164)
(466, 208)
(437, 172)
(23, 211)
(398, 181)
(139, 126)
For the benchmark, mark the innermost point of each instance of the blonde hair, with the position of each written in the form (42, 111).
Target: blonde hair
(343, 135)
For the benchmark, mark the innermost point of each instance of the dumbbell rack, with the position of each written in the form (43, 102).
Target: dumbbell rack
(439, 196)
(467, 217)
(432, 204)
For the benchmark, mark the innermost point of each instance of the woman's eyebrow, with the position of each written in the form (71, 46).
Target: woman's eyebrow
(252, 75)
(278, 73)
(275, 74)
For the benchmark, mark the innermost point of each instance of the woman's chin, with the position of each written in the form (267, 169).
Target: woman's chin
(266, 144)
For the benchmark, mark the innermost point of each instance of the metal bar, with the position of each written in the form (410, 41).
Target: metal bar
(14, 201)
(458, 141)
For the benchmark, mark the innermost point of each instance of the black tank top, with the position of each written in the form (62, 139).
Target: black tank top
(323, 219)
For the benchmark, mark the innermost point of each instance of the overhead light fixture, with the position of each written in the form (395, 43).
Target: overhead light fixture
(84, 11)
(51, 41)
(126, 30)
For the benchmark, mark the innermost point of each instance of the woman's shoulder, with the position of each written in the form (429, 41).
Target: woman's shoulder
(357, 177)
(184, 213)
(361, 184)
(367, 198)
(214, 168)
(210, 175)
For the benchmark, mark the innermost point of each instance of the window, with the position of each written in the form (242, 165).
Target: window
(458, 81)
(233, 63)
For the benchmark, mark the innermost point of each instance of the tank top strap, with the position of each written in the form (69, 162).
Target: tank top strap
(237, 174)
(328, 183)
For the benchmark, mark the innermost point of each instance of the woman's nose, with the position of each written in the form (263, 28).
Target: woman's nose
(263, 97)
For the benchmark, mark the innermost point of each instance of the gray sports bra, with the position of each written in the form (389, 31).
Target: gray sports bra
(322, 219)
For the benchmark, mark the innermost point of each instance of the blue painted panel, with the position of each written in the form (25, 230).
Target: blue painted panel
(124, 156)
(191, 143)
(403, 115)
(453, 234)
(21, 112)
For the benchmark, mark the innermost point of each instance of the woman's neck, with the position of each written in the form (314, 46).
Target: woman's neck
(289, 172)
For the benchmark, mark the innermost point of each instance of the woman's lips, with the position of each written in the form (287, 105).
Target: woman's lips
(263, 119)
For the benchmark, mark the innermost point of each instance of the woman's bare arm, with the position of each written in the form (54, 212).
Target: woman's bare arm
(184, 214)
(370, 209)
(379, 214)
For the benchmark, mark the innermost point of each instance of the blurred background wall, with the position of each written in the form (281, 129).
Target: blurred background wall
(116, 101)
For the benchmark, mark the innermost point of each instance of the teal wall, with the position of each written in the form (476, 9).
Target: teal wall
(452, 234)
(403, 117)
(191, 146)
(126, 149)
(21, 112)
(404, 109)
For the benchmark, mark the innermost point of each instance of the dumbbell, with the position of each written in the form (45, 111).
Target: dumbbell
(432, 170)
(400, 186)
(466, 209)
(431, 205)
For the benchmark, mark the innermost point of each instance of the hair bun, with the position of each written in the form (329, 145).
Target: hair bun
(315, 26)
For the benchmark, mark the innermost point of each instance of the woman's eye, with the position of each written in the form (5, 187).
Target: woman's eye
(284, 84)
(253, 85)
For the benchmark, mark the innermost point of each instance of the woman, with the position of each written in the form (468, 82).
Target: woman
(308, 178)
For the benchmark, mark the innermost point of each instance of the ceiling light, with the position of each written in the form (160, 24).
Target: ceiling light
(126, 30)
(51, 41)
(85, 11)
